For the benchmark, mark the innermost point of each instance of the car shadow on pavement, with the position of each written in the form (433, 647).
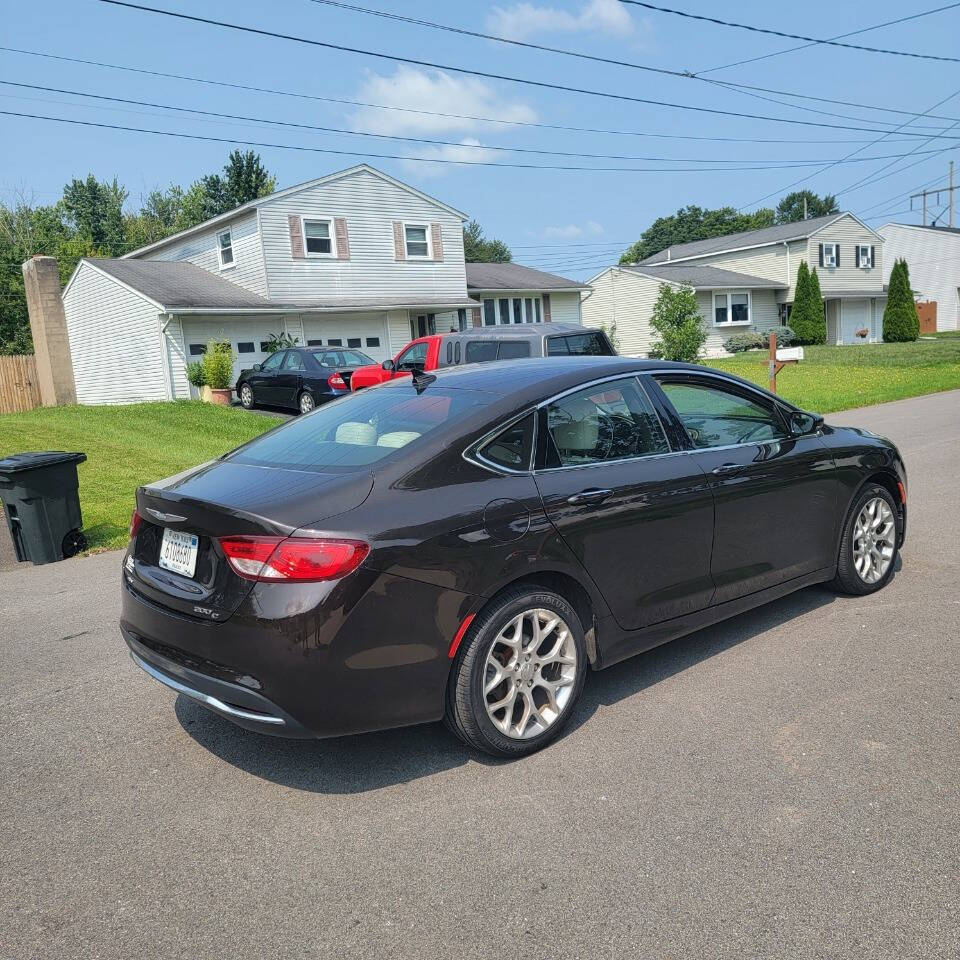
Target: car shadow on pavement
(355, 764)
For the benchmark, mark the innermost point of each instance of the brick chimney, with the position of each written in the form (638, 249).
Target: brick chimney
(41, 278)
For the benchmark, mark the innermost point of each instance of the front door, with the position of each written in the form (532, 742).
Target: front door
(775, 493)
(638, 516)
(854, 317)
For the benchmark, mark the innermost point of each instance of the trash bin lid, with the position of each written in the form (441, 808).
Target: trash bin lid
(38, 459)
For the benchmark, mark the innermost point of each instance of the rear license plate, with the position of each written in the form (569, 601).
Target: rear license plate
(178, 552)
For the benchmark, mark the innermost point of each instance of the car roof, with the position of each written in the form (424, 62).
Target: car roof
(520, 330)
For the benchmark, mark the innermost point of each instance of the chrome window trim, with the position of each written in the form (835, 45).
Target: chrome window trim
(472, 453)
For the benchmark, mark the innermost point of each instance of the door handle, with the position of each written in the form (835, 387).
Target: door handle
(593, 495)
(727, 468)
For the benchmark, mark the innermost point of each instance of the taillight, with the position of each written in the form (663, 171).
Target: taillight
(274, 559)
(337, 382)
(135, 523)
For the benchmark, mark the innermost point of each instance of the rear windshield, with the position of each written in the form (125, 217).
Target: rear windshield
(360, 429)
(579, 345)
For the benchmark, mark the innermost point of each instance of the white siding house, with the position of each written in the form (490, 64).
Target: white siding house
(747, 281)
(933, 256)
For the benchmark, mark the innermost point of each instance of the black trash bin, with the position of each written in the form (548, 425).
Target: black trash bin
(40, 500)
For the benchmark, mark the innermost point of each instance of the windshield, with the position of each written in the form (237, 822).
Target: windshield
(359, 430)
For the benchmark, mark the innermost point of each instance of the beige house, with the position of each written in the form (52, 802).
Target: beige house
(746, 281)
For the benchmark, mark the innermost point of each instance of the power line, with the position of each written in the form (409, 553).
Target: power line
(454, 116)
(813, 41)
(434, 142)
(479, 73)
(684, 74)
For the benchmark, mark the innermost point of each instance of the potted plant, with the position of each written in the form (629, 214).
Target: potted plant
(197, 379)
(218, 371)
(863, 333)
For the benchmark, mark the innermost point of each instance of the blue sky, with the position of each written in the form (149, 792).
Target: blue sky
(571, 222)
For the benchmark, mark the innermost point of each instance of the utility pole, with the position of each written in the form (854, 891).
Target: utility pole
(805, 205)
(936, 191)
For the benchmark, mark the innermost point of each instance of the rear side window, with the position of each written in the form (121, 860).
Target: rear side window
(608, 421)
(513, 447)
(351, 434)
(579, 345)
(512, 349)
(480, 351)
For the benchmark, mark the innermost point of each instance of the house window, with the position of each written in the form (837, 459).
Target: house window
(462, 319)
(489, 313)
(417, 237)
(731, 309)
(536, 307)
(335, 342)
(314, 343)
(264, 346)
(354, 342)
(245, 347)
(864, 256)
(225, 249)
(517, 310)
(198, 349)
(504, 305)
(830, 255)
(373, 341)
(529, 305)
(317, 238)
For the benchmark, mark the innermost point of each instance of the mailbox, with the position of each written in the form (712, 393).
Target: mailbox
(787, 354)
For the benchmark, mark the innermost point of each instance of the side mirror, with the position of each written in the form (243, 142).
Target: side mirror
(803, 423)
(388, 366)
(256, 366)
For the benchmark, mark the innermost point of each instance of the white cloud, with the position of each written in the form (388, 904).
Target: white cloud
(573, 231)
(468, 149)
(525, 20)
(438, 92)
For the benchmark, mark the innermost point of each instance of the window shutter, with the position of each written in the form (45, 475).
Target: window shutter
(296, 237)
(873, 255)
(546, 308)
(343, 239)
(857, 252)
(836, 254)
(475, 316)
(436, 239)
(821, 254)
(399, 250)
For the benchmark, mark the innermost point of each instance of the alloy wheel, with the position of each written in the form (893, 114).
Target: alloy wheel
(306, 403)
(246, 396)
(530, 673)
(874, 540)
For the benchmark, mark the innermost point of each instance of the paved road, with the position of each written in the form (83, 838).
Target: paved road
(784, 785)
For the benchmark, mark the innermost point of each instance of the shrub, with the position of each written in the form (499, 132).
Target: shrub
(195, 373)
(807, 318)
(785, 337)
(740, 342)
(218, 365)
(900, 321)
(279, 341)
(676, 317)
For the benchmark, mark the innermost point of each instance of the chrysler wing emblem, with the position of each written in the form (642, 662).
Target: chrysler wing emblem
(165, 517)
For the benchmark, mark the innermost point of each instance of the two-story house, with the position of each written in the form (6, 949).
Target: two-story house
(746, 281)
(355, 259)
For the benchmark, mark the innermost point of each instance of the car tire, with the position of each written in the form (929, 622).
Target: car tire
(306, 403)
(870, 543)
(540, 683)
(246, 396)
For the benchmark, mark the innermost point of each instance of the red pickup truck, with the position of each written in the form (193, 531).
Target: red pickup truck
(484, 344)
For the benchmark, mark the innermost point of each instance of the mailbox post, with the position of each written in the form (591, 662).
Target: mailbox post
(780, 358)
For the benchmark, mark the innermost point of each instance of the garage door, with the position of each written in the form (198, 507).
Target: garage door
(854, 316)
(247, 337)
(367, 333)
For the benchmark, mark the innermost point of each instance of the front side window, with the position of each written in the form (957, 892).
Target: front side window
(273, 361)
(716, 416)
(512, 447)
(225, 249)
(317, 238)
(603, 423)
(413, 358)
(417, 239)
(731, 308)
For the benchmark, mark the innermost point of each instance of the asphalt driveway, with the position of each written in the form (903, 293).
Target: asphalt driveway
(786, 784)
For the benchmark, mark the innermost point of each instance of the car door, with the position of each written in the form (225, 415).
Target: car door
(413, 358)
(288, 380)
(775, 493)
(262, 381)
(637, 514)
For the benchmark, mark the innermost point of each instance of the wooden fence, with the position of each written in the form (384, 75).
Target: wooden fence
(19, 387)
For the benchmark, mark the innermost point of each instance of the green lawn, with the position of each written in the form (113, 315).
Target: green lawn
(127, 446)
(837, 378)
